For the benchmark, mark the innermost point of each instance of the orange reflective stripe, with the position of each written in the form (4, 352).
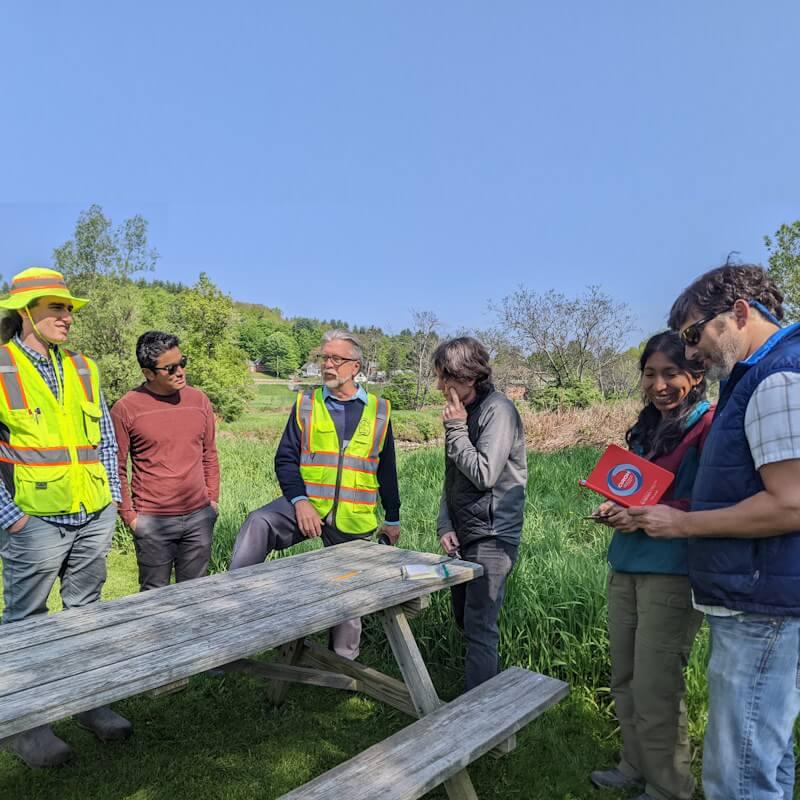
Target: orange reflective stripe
(34, 456)
(9, 380)
(38, 284)
(36, 281)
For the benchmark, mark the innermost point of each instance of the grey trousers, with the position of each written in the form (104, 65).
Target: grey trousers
(41, 552)
(182, 541)
(477, 603)
(651, 627)
(274, 527)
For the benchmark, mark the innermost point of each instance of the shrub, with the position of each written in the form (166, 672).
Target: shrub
(580, 394)
(401, 391)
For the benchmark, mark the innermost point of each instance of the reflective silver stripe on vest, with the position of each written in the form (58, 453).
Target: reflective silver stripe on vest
(306, 405)
(380, 427)
(84, 373)
(321, 490)
(9, 378)
(363, 496)
(88, 455)
(326, 491)
(332, 460)
(34, 457)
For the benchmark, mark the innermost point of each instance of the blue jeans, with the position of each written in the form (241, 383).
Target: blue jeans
(754, 699)
(41, 552)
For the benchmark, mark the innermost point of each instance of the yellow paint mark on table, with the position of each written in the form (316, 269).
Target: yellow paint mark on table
(346, 575)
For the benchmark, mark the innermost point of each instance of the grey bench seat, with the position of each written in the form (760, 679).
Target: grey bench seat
(420, 757)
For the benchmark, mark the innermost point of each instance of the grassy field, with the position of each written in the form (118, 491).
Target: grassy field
(220, 739)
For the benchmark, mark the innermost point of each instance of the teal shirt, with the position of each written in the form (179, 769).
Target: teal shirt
(637, 552)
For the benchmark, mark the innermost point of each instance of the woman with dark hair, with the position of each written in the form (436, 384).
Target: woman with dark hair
(481, 511)
(651, 621)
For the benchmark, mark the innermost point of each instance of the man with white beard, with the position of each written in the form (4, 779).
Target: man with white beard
(335, 458)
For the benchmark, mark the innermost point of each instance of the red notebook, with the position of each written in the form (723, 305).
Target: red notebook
(628, 479)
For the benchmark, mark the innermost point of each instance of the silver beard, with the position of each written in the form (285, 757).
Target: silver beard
(726, 360)
(334, 383)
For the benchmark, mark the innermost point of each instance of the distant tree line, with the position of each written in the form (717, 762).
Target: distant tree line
(551, 349)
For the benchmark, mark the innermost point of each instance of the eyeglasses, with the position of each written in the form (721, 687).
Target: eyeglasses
(171, 369)
(691, 334)
(337, 361)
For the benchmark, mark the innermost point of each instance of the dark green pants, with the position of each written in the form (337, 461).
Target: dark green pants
(651, 627)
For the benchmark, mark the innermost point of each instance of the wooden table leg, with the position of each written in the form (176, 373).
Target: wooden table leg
(420, 686)
(288, 654)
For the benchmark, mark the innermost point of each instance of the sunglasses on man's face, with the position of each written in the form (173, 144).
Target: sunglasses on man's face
(171, 369)
(692, 334)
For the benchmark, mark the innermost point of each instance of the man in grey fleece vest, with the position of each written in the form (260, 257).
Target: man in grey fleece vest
(481, 512)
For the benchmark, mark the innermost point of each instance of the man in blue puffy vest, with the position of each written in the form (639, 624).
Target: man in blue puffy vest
(744, 529)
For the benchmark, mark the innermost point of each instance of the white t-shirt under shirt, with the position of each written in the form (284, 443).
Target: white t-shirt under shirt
(772, 427)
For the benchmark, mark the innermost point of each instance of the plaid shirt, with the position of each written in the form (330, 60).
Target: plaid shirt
(9, 511)
(772, 419)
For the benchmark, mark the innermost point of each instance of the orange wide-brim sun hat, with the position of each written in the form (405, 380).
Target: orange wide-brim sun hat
(36, 282)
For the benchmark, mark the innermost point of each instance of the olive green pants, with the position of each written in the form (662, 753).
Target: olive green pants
(651, 627)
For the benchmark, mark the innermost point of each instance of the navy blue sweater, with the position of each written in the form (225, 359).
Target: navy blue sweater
(287, 459)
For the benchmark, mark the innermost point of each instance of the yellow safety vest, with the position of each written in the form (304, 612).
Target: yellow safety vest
(342, 479)
(52, 443)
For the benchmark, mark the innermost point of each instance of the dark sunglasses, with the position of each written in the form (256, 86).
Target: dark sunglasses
(691, 335)
(171, 369)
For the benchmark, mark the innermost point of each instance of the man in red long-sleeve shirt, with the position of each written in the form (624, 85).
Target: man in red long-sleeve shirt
(168, 430)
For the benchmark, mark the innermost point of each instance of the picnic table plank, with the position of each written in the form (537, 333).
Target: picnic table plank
(43, 628)
(210, 645)
(297, 590)
(413, 761)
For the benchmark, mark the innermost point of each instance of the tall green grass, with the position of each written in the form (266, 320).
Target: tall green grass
(554, 616)
(554, 621)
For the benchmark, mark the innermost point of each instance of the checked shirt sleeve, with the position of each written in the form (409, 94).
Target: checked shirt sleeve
(108, 451)
(772, 419)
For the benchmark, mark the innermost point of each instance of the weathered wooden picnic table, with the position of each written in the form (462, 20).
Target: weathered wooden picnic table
(54, 666)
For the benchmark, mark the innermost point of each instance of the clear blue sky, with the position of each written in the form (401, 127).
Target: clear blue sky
(360, 159)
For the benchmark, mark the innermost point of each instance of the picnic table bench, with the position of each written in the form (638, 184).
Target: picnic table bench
(54, 666)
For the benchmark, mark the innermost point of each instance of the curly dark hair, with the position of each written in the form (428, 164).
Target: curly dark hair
(153, 344)
(717, 290)
(653, 434)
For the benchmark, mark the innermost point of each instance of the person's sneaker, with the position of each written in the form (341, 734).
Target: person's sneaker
(614, 779)
(38, 747)
(105, 724)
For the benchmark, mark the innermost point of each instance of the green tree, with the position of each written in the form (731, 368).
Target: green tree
(280, 354)
(784, 264)
(253, 331)
(207, 323)
(307, 334)
(401, 391)
(98, 263)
